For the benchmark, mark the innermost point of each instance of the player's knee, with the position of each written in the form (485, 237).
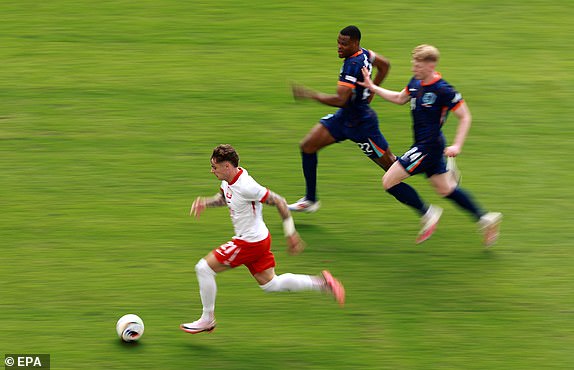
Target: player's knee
(387, 183)
(387, 160)
(279, 283)
(307, 147)
(202, 268)
(445, 191)
(272, 285)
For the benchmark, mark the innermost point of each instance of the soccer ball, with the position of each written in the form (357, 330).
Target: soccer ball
(130, 328)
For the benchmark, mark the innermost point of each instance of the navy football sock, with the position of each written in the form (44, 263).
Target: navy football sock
(409, 196)
(310, 173)
(464, 200)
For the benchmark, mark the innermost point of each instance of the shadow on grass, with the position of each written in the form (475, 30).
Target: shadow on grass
(130, 346)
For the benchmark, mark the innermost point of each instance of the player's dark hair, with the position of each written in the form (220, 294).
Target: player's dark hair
(351, 31)
(225, 152)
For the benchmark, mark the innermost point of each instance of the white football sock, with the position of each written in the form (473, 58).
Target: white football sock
(292, 282)
(207, 288)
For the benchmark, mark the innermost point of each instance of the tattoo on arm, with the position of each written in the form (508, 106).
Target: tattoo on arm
(218, 200)
(278, 201)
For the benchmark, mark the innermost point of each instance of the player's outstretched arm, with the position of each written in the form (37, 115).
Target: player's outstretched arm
(294, 242)
(201, 203)
(389, 95)
(334, 100)
(464, 122)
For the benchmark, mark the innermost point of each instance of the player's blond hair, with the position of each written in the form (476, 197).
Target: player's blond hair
(426, 53)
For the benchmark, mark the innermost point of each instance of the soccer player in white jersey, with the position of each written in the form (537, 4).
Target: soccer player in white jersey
(251, 245)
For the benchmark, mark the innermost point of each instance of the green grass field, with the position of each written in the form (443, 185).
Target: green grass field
(109, 111)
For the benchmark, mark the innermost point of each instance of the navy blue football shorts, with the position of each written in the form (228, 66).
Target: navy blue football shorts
(365, 133)
(420, 159)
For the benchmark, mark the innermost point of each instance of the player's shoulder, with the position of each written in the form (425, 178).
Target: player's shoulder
(444, 86)
(353, 64)
(246, 180)
(443, 83)
(414, 83)
(359, 56)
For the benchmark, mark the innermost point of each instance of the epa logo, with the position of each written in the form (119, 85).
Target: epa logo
(27, 361)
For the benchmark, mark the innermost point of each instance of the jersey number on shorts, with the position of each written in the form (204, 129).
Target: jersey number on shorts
(412, 155)
(366, 148)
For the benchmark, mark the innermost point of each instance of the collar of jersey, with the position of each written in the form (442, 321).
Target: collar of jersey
(236, 176)
(356, 54)
(436, 77)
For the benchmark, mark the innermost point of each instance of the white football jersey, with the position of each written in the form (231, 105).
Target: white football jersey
(244, 196)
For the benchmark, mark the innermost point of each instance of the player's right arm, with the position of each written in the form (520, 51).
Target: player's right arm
(201, 203)
(393, 96)
(334, 100)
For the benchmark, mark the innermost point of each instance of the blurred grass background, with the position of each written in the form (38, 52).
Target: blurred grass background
(109, 111)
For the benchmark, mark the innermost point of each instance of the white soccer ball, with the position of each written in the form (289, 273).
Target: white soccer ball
(130, 328)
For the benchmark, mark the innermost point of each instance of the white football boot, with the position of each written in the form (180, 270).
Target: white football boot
(304, 205)
(198, 326)
(489, 224)
(429, 222)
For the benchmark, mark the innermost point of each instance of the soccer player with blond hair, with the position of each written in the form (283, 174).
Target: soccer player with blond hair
(431, 99)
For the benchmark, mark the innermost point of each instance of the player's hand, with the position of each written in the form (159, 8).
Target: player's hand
(197, 207)
(301, 92)
(368, 83)
(452, 151)
(295, 244)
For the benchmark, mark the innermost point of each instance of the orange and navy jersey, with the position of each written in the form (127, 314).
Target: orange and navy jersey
(351, 73)
(430, 104)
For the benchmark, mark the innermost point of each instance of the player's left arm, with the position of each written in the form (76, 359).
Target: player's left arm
(464, 121)
(397, 97)
(294, 242)
(382, 65)
(334, 100)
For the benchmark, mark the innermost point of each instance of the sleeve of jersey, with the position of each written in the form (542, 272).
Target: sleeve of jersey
(372, 56)
(453, 99)
(348, 77)
(262, 200)
(255, 192)
(407, 89)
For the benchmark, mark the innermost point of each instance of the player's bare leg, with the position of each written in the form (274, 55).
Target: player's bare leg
(386, 160)
(444, 183)
(394, 176)
(318, 138)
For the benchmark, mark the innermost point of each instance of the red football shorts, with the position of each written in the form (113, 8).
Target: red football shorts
(257, 256)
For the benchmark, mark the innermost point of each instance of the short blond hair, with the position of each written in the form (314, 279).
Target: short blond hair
(426, 53)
